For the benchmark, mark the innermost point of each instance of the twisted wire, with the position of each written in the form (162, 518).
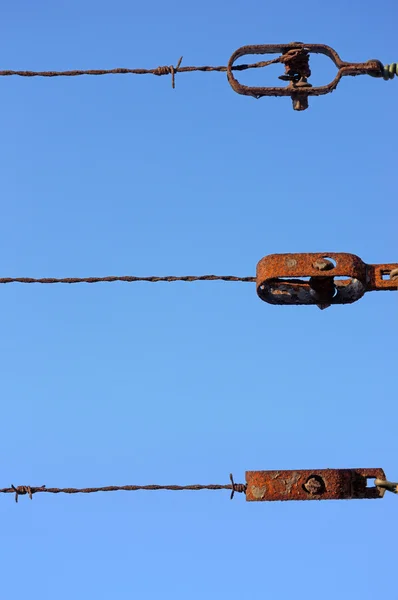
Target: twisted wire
(128, 279)
(159, 71)
(23, 490)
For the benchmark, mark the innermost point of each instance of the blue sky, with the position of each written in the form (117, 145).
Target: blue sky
(180, 383)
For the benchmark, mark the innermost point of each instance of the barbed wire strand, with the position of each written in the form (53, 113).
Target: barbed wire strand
(23, 490)
(388, 71)
(128, 278)
(163, 70)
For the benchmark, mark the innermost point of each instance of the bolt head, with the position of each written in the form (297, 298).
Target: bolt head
(314, 485)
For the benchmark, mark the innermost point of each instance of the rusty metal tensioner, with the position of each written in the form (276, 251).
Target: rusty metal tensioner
(330, 278)
(324, 484)
(295, 57)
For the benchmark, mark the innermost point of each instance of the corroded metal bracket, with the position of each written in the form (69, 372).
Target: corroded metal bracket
(323, 484)
(295, 57)
(331, 278)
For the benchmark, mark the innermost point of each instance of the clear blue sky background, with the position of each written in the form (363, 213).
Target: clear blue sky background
(183, 383)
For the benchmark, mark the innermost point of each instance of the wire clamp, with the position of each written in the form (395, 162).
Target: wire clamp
(322, 279)
(295, 57)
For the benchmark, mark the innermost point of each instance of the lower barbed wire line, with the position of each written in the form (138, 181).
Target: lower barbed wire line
(128, 279)
(22, 490)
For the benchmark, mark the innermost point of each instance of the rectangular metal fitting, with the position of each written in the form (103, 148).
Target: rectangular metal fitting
(322, 484)
(329, 278)
(295, 58)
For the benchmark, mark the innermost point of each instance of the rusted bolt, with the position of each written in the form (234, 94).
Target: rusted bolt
(323, 287)
(323, 264)
(299, 102)
(314, 485)
(300, 99)
(290, 262)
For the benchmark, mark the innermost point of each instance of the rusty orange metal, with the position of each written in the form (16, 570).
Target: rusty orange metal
(330, 278)
(295, 57)
(321, 484)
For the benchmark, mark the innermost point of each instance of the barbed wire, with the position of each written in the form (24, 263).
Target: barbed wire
(294, 56)
(128, 279)
(158, 71)
(23, 490)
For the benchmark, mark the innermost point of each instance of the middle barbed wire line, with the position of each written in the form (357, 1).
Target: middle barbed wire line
(128, 279)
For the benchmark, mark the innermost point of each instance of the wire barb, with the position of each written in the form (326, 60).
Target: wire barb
(169, 70)
(236, 487)
(128, 279)
(22, 490)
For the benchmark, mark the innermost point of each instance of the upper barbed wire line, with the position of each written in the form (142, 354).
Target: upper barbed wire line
(129, 279)
(162, 70)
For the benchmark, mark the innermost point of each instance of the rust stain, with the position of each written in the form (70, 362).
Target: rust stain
(323, 484)
(258, 492)
(332, 278)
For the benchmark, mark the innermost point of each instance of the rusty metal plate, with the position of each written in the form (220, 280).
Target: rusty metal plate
(295, 57)
(332, 278)
(323, 484)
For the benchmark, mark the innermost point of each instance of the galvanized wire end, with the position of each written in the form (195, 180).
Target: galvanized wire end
(390, 486)
(390, 71)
